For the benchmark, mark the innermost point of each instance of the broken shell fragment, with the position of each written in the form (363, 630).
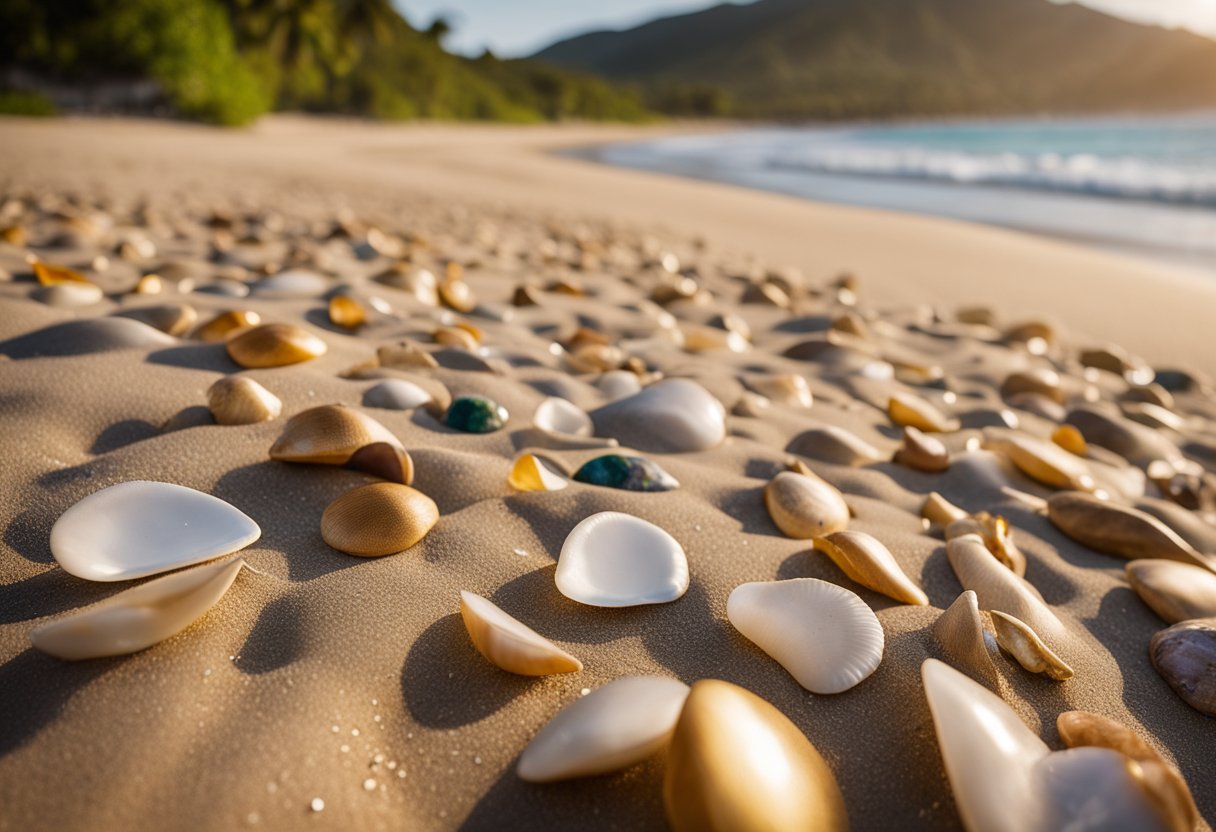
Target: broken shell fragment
(630, 473)
(997, 536)
(378, 519)
(716, 779)
(1119, 530)
(835, 445)
(475, 414)
(274, 345)
(868, 562)
(612, 559)
(907, 410)
(560, 416)
(346, 312)
(530, 472)
(788, 389)
(803, 506)
(49, 275)
(236, 400)
(1185, 656)
(226, 323)
(611, 728)
(960, 632)
(140, 617)
(335, 434)
(922, 452)
(1175, 591)
(1021, 642)
(509, 643)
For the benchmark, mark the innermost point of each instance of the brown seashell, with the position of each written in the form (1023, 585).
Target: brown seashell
(868, 562)
(922, 452)
(1185, 656)
(1138, 444)
(1119, 530)
(1042, 381)
(851, 323)
(347, 312)
(937, 509)
(174, 319)
(274, 345)
(997, 537)
(1035, 336)
(1080, 729)
(378, 519)
(227, 323)
(418, 282)
(835, 445)
(1175, 591)
(766, 293)
(1021, 642)
(405, 355)
(525, 295)
(1150, 394)
(907, 410)
(804, 506)
(335, 434)
(960, 632)
(978, 315)
(236, 400)
(1114, 359)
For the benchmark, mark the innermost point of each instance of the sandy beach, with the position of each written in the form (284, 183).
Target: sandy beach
(352, 680)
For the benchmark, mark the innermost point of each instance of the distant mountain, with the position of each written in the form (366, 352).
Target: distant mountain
(858, 58)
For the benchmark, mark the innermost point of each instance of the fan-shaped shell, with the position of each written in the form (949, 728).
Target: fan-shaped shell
(378, 519)
(334, 434)
(613, 559)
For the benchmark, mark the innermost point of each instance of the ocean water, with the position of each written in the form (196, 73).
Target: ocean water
(1140, 185)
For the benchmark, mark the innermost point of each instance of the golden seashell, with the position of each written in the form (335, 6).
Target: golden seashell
(418, 282)
(14, 235)
(225, 324)
(456, 294)
(997, 536)
(378, 519)
(907, 410)
(804, 506)
(49, 275)
(699, 338)
(937, 509)
(716, 780)
(1119, 530)
(1043, 462)
(866, 560)
(347, 312)
(236, 400)
(530, 472)
(766, 293)
(274, 345)
(335, 434)
(1018, 640)
(590, 358)
(1042, 381)
(149, 284)
(1070, 439)
(475, 331)
(509, 643)
(960, 632)
(405, 355)
(922, 452)
(452, 336)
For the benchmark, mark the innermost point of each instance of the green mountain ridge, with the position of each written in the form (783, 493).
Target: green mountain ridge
(875, 58)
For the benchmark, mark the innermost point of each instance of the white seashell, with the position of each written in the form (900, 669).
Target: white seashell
(824, 635)
(618, 560)
(141, 528)
(611, 728)
(139, 617)
(675, 414)
(618, 384)
(509, 643)
(1005, 779)
(560, 416)
(292, 283)
(530, 472)
(396, 394)
(68, 295)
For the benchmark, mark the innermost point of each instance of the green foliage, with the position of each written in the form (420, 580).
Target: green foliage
(14, 103)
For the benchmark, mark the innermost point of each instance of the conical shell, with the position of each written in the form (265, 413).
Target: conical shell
(530, 472)
(922, 452)
(824, 635)
(509, 643)
(907, 410)
(560, 416)
(866, 560)
(1044, 462)
(378, 519)
(140, 617)
(937, 509)
(835, 445)
(803, 507)
(960, 632)
(274, 345)
(139, 528)
(1175, 591)
(737, 763)
(1119, 530)
(235, 400)
(612, 559)
(335, 434)
(1185, 656)
(1024, 644)
(611, 728)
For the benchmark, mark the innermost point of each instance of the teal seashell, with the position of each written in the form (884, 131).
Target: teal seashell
(476, 414)
(630, 473)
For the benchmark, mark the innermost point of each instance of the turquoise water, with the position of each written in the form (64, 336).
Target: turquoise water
(1145, 185)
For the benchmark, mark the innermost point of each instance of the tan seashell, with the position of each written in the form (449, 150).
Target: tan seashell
(1153, 416)
(937, 509)
(960, 631)
(456, 294)
(510, 644)
(786, 388)
(1138, 444)
(452, 336)
(1021, 642)
(174, 319)
(1035, 336)
(335, 434)
(140, 617)
(1119, 530)
(49, 275)
(1042, 381)
(235, 400)
(420, 283)
(530, 472)
(978, 315)
(997, 536)
(766, 293)
(378, 519)
(1080, 729)
(227, 323)
(1175, 591)
(715, 780)
(149, 284)
(589, 358)
(922, 452)
(851, 323)
(1070, 439)
(1043, 462)
(868, 562)
(525, 295)
(405, 355)
(803, 506)
(274, 345)
(705, 338)
(1150, 393)
(348, 312)
(907, 410)
(835, 445)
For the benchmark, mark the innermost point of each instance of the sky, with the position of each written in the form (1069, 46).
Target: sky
(513, 28)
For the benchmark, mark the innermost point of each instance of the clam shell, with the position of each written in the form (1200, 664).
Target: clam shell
(1185, 656)
(140, 528)
(835, 445)
(139, 617)
(803, 507)
(456, 294)
(673, 415)
(1043, 461)
(174, 319)
(824, 635)
(560, 416)
(530, 472)
(997, 536)
(396, 394)
(1021, 642)
(922, 452)
(509, 643)
(627, 472)
(454, 336)
(1119, 530)
(612, 559)
(1175, 591)
(937, 509)
(1005, 779)
(235, 400)
(274, 345)
(611, 728)
(907, 410)
(737, 763)
(335, 434)
(226, 323)
(960, 632)
(866, 560)
(378, 519)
